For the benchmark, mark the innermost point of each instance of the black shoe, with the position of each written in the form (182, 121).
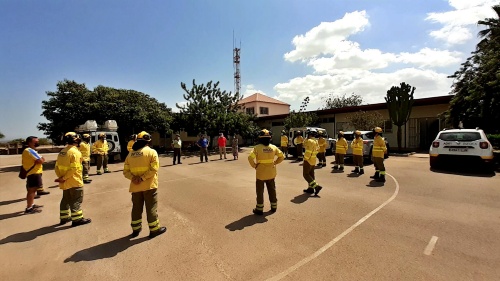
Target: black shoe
(309, 190)
(135, 233)
(42, 192)
(341, 168)
(381, 178)
(258, 212)
(37, 206)
(32, 211)
(273, 210)
(324, 165)
(155, 233)
(361, 171)
(179, 163)
(356, 170)
(318, 189)
(107, 171)
(173, 164)
(64, 221)
(87, 181)
(81, 222)
(335, 167)
(375, 176)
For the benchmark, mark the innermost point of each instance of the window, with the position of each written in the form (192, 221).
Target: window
(264, 110)
(461, 136)
(387, 126)
(250, 110)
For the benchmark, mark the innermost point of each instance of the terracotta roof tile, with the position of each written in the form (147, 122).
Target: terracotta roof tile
(261, 98)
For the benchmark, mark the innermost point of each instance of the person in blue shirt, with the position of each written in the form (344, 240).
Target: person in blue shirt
(203, 145)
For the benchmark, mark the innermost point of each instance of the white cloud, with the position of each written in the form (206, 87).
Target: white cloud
(459, 25)
(250, 90)
(431, 58)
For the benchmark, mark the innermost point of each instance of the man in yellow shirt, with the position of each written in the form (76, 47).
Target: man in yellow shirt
(340, 151)
(131, 142)
(84, 148)
(264, 154)
(69, 176)
(141, 168)
(378, 153)
(284, 143)
(100, 147)
(32, 163)
(322, 149)
(312, 148)
(357, 153)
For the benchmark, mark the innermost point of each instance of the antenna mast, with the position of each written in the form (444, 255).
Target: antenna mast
(236, 67)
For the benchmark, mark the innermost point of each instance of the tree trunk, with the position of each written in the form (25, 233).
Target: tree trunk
(399, 138)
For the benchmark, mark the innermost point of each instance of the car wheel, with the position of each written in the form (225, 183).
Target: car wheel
(433, 162)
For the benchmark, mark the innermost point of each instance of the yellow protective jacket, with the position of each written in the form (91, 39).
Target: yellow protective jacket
(284, 141)
(312, 147)
(299, 140)
(130, 144)
(379, 148)
(263, 160)
(85, 150)
(142, 163)
(69, 167)
(100, 147)
(357, 146)
(322, 145)
(341, 146)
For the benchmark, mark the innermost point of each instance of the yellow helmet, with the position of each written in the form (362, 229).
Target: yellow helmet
(377, 130)
(264, 134)
(357, 132)
(144, 136)
(86, 136)
(341, 133)
(102, 135)
(71, 137)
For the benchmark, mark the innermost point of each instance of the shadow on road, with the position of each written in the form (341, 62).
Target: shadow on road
(462, 171)
(106, 250)
(337, 171)
(353, 175)
(11, 215)
(247, 221)
(31, 235)
(8, 202)
(299, 199)
(374, 183)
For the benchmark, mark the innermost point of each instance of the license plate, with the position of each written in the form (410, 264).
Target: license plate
(458, 149)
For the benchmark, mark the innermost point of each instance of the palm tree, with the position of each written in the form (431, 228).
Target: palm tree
(492, 30)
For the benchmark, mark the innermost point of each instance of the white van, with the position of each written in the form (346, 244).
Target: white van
(109, 128)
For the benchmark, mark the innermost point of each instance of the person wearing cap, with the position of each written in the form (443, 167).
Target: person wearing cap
(357, 153)
(84, 148)
(69, 176)
(177, 145)
(298, 141)
(284, 143)
(340, 151)
(322, 149)
(100, 147)
(141, 168)
(312, 148)
(221, 142)
(131, 142)
(32, 163)
(378, 153)
(264, 158)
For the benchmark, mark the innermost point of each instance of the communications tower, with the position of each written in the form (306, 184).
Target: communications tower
(236, 67)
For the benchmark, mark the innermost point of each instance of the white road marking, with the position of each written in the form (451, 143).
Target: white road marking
(431, 245)
(336, 239)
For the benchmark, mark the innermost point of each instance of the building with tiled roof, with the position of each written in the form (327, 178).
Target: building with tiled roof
(262, 105)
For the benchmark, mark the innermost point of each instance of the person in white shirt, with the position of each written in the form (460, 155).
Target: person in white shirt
(177, 145)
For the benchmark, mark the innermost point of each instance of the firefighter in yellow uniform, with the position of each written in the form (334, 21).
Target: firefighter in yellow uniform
(141, 168)
(299, 142)
(378, 153)
(322, 149)
(263, 160)
(84, 148)
(357, 153)
(131, 142)
(340, 151)
(69, 176)
(312, 148)
(284, 143)
(100, 148)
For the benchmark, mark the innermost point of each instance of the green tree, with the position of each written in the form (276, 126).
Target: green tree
(476, 85)
(400, 102)
(2, 135)
(73, 104)
(210, 110)
(301, 118)
(365, 120)
(342, 101)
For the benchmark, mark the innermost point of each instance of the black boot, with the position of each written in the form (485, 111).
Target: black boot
(361, 171)
(336, 167)
(273, 210)
(356, 170)
(375, 176)
(80, 222)
(317, 190)
(64, 221)
(155, 233)
(341, 168)
(381, 178)
(309, 190)
(258, 212)
(135, 233)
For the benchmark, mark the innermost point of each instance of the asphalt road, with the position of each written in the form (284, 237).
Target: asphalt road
(420, 225)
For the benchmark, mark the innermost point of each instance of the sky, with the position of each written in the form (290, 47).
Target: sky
(290, 49)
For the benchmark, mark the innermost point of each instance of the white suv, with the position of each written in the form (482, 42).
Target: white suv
(462, 145)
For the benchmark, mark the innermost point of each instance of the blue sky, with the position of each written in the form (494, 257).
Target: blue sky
(290, 48)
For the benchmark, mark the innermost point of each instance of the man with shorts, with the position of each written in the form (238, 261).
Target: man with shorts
(32, 162)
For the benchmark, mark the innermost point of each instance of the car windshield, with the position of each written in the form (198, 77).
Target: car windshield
(460, 136)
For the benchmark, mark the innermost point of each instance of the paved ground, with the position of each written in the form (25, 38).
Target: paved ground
(356, 230)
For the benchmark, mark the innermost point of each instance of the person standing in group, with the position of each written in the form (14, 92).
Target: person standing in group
(298, 141)
(265, 155)
(141, 168)
(177, 145)
(312, 148)
(357, 153)
(340, 151)
(378, 153)
(69, 176)
(84, 148)
(284, 143)
(221, 142)
(322, 149)
(100, 147)
(32, 163)
(203, 145)
(234, 146)
(131, 142)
